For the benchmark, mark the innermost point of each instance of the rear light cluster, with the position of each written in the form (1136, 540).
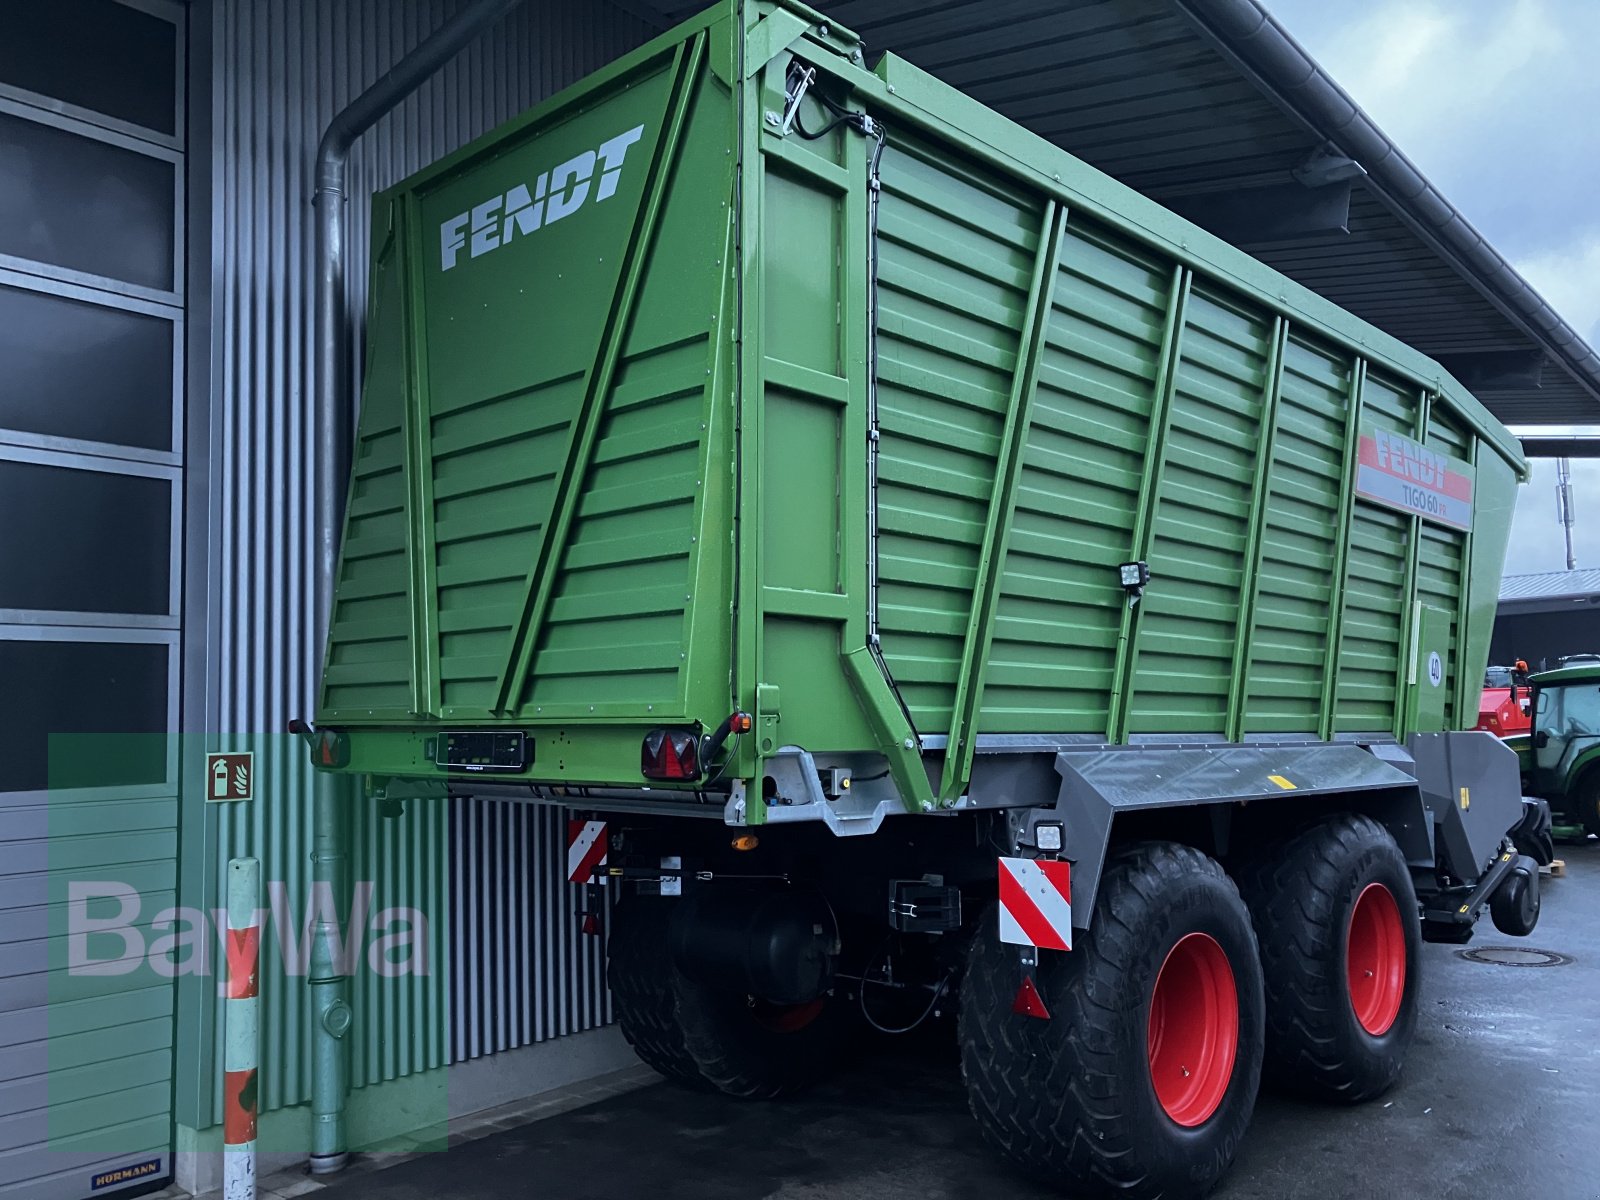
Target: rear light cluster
(681, 753)
(328, 747)
(671, 754)
(332, 749)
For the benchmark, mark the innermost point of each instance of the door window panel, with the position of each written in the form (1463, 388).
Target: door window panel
(80, 370)
(95, 54)
(104, 702)
(84, 541)
(80, 203)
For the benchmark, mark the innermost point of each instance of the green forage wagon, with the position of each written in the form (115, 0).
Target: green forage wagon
(941, 579)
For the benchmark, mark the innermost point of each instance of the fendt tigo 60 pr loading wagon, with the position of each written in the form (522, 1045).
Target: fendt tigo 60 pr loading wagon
(956, 582)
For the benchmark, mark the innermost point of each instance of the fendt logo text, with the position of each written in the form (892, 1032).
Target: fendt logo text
(558, 192)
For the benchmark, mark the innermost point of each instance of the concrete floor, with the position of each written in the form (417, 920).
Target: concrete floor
(1500, 1099)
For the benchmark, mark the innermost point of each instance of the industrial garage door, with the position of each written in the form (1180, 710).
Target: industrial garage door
(91, 333)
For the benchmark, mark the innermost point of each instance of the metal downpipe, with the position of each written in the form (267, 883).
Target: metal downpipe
(332, 956)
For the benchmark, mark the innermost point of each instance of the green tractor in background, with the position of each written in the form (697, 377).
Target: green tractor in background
(1560, 756)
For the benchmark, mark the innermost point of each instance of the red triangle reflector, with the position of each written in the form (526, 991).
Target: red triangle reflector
(1028, 1002)
(591, 924)
(675, 755)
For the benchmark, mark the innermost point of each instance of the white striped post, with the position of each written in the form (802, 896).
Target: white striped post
(241, 1045)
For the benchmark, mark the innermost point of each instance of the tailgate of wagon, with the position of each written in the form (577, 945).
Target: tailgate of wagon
(530, 544)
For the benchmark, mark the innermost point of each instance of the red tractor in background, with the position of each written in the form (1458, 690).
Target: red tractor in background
(1503, 708)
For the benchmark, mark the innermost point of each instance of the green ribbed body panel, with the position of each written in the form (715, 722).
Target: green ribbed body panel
(954, 255)
(1294, 608)
(488, 363)
(1059, 611)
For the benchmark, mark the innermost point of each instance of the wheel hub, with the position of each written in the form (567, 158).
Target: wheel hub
(1375, 959)
(1194, 1030)
(784, 1018)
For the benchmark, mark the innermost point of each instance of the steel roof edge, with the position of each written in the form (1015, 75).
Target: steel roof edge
(1550, 585)
(1263, 50)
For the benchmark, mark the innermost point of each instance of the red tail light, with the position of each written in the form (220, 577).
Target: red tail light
(332, 749)
(671, 754)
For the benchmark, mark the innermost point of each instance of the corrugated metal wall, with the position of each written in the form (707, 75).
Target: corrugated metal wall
(280, 69)
(516, 979)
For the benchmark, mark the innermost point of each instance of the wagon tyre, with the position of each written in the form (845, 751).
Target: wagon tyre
(644, 994)
(1515, 904)
(1336, 916)
(1144, 1098)
(755, 1050)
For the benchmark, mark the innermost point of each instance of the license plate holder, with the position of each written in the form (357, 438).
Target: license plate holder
(483, 750)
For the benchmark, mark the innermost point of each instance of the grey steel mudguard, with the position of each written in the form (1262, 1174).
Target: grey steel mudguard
(1473, 787)
(1097, 784)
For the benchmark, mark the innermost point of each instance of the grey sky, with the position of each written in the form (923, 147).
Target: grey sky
(1498, 102)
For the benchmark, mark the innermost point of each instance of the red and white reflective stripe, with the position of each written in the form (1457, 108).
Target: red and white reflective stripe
(586, 849)
(1036, 903)
(244, 963)
(241, 1032)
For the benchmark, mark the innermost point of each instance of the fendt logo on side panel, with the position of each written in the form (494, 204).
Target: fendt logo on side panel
(558, 192)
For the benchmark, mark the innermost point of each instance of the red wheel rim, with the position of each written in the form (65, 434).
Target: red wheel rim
(1375, 959)
(1194, 1029)
(785, 1018)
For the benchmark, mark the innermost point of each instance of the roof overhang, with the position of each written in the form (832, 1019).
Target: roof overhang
(1561, 446)
(1212, 108)
(1245, 34)
(1547, 590)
